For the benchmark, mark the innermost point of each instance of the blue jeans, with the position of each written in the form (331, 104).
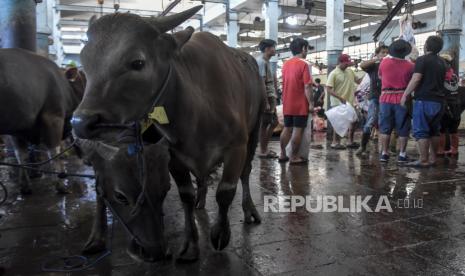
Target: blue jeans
(394, 115)
(372, 116)
(426, 119)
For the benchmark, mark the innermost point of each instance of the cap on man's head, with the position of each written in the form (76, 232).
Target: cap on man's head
(400, 48)
(345, 59)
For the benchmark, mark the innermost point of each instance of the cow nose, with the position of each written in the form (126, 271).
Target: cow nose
(84, 125)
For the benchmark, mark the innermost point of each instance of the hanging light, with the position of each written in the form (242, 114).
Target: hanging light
(100, 2)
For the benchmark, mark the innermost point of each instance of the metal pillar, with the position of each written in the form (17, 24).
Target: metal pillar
(44, 16)
(18, 24)
(232, 28)
(56, 51)
(449, 26)
(334, 42)
(334, 31)
(271, 13)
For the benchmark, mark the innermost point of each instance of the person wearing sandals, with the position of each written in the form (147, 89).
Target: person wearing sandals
(428, 84)
(341, 86)
(395, 73)
(269, 117)
(297, 100)
(371, 68)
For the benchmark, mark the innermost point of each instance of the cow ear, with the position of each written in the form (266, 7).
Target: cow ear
(183, 36)
(166, 23)
(92, 20)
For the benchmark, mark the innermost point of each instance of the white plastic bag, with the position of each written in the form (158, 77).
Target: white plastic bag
(306, 139)
(341, 117)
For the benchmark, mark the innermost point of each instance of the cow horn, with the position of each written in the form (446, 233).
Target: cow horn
(166, 23)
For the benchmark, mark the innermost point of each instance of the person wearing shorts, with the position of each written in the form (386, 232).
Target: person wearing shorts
(428, 84)
(395, 73)
(297, 100)
(269, 117)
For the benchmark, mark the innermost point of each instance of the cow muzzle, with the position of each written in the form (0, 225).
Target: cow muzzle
(148, 254)
(85, 125)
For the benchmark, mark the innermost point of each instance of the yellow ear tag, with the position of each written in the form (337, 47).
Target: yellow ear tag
(159, 114)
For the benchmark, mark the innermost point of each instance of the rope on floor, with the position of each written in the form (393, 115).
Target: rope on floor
(76, 263)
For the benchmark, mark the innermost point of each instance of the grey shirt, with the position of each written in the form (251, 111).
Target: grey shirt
(264, 68)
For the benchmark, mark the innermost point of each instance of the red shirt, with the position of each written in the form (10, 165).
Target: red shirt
(395, 75)
(296, 74)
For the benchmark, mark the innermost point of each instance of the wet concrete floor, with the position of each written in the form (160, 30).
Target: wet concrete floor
(407, 241)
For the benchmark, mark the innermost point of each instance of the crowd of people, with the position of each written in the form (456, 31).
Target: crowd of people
(404, 95)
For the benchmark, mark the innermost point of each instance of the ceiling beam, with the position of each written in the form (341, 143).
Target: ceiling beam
(282, 27)
(286, 10)
(72, 42)
(107, 10)
(354, 9)
(420, 6)
(249, 39)
(73, 23)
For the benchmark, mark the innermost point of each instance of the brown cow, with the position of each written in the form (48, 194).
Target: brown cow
(207, 100)
(36, 104)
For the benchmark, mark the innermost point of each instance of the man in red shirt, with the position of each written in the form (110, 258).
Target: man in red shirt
(297, 100)
(395, 73)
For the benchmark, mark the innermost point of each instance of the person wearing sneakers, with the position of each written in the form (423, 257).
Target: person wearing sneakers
(428, 84)
(395, 73)
(269, 117)
(451, 119)
(297, 100)
(341, 86)
(371, 68)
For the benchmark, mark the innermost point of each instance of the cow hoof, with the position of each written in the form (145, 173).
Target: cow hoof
(220, 235)
(252, 217)
(94, 246)
(26, 191)
(189, 252)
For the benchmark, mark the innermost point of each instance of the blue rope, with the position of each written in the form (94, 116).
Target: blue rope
(76, 263)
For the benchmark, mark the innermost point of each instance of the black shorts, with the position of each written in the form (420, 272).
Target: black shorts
(295, 121)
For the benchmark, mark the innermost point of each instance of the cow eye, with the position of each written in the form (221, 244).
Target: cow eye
(120, 198)
(137, 65)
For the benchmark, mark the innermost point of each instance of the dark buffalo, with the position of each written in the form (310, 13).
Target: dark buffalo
(209, 98)
(37, 102)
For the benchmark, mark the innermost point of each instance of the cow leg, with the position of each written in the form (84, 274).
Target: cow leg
(250, 212)
(52, 132)
(96, 241)
(190, 248)
(57, 165)
(201, 193)
(233, 165)
(22, 155)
